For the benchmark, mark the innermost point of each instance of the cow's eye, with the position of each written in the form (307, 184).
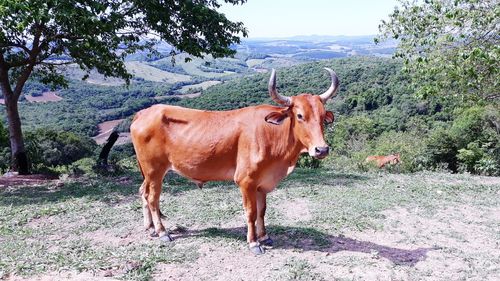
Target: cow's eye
(299, 116)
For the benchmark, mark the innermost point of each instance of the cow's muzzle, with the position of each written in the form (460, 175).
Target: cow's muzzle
(321, 152)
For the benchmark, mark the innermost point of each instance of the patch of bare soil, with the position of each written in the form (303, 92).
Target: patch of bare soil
(105, 130)
(31, 180)
(45, 97)
(460, 239)
(112, 239)
(295, 210)
(457, 242)
(183, 96)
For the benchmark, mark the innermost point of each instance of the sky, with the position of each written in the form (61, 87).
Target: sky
(285, 18)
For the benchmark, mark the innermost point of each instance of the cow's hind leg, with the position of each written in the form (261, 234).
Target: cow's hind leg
(262, 236)
(153, 200)
(150, 195)
(148, 220)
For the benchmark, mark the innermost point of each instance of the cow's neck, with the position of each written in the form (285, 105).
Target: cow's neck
(293, 146)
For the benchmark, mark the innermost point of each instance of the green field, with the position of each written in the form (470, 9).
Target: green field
(327, 225)
(203, 85)
(149, 73)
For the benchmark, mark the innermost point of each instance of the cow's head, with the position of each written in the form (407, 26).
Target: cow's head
(396, 158)
(307, 114)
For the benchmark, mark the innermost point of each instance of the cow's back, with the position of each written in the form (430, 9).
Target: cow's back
(201, 145)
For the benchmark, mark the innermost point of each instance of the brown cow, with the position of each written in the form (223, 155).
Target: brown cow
(255, 146)
(382, 160)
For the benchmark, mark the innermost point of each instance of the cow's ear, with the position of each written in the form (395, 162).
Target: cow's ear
(329, 117)
(276, 118)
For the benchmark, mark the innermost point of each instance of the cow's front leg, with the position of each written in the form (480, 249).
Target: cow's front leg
(249, 194)
(262, 236)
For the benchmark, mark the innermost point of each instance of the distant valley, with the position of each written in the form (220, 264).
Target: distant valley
(166, 79)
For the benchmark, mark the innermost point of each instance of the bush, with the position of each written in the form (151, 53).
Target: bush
(408, 144)
(306, 161)
(48, 149)
(468, 157)
(487, 166)
(441, 150)
(349, 135)
(4, 149)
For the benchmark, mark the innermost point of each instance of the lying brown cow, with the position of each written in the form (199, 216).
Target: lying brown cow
(255, 146)
(382, 160)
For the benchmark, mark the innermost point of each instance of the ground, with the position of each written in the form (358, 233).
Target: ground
(327, 225)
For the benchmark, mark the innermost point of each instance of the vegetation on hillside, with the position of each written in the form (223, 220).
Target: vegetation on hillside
(38, 36)
(376, 110)
(378, 113)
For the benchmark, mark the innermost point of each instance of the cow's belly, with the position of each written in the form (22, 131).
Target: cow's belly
(204, 171)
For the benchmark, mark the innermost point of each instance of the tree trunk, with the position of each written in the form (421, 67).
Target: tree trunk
(18, 152)
(103, 156)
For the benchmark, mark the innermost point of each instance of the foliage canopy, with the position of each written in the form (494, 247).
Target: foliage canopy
(451, 48)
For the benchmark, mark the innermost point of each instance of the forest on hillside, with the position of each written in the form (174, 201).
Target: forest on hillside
(436, 102)
(377, 112)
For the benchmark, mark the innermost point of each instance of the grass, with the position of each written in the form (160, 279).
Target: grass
(193, 67)
(203, 85)
(150, 73)
(323, 222)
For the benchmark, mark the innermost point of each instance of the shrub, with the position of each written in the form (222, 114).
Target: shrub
(487, 166)
(468, 157)
(350, 134)
(306, 161)
(441, 150)
(48, 148)
(4, 149)
(408, 144)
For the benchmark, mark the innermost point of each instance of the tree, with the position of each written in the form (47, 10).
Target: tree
(450, 48)
(37, 36)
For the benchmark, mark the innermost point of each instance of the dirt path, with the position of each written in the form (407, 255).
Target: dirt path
(105, 130)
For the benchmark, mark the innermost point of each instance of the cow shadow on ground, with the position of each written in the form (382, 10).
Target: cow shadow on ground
(310, 239)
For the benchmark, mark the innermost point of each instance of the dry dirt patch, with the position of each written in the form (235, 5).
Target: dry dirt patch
(454, 243)
(296, 210)
(26, 180)
(105, 130)
(45, 97)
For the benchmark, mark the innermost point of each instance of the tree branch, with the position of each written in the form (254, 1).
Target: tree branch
(4, 77)
(21, 80)
(12, 44)
(56, 64)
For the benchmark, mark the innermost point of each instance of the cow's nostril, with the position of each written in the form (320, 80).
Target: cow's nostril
(322, 150)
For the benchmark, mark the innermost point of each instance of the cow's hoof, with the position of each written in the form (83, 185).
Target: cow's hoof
(257, 250)
(153, 234)
(166, 238)
(268, 242)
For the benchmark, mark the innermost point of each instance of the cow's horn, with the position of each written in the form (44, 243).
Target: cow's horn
(278, 98)
(333, 88)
